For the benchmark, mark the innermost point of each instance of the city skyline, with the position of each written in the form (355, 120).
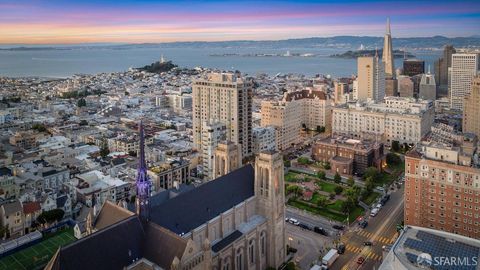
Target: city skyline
(60, 22)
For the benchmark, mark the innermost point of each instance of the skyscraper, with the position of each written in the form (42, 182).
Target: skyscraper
(143, 181)
(371, 78)
(224, 98)
(412, 67)
(428, 88)
(471, 110)
(387, 57)
(464, 68)
(441, 69)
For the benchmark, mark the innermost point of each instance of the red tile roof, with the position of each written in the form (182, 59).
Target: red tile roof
(31, 207)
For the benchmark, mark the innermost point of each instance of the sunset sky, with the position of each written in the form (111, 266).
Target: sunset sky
(60, 22)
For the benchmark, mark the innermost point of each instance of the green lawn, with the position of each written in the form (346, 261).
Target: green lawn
(336, 205)
(327, 187)
(315, 198)
(371, 198)
(326, 212)
(38, 255)
(291, 177)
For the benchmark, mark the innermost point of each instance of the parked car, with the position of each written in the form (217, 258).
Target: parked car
(363, 224)
(379, 206)
(304, 226)
(360, 260)
(293, 221)
(338, 227)
(374, 212)
(320, 231)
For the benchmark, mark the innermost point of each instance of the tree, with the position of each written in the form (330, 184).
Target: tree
(81, 103)
(406, 147)
(303, 160)
(321, 201)
(321, 175)
(350, 181)
(338, 190)
(3, 230)
(50, 216)
(104, 151)
(320, 129)
(369, 184)
(371, 172)
(337, 178)
(395, 146)
(39, 127)
(393, 159)
(326, 165)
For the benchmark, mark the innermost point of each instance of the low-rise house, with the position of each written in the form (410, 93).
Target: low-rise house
(65, 203)
(11, 217)
(31, 211)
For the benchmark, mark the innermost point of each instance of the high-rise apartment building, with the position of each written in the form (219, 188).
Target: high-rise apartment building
(387, 56)
(442, 187)
(224, 98)
(471, 110)
(405, 120)
(428, 87)
(442, 66)
(371, 78)
(464, 68)
(212, 135)
(306, 107)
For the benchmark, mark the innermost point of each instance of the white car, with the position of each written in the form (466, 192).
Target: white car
(293, 221)
(374, 212)
(379, 206)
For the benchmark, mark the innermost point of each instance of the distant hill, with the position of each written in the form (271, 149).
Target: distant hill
(356, 54)
(159, 67)
(346, 42)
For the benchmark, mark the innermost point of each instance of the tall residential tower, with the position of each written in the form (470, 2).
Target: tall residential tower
(224, 98)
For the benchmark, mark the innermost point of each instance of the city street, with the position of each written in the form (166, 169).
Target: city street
(381, 231)
(309, 245)
(311, 220)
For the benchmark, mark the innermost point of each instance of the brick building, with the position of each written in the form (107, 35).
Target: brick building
(349, 156)
(442, 187)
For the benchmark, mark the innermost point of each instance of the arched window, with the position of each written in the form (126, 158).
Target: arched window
(251, 251)
(262, 243)
(226, 264)
(239, 260)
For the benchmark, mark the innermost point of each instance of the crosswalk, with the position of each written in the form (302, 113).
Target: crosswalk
(381, 239)
(368, 254)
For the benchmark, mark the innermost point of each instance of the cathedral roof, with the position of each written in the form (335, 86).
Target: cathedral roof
(111, 248)
(110, 214)
(193, 208)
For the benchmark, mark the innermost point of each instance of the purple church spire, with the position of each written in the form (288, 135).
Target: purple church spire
(142, 182)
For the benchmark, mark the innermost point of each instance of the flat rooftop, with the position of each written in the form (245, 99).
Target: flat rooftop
(423, 248)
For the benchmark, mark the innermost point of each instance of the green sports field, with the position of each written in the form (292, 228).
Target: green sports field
(38, 255)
